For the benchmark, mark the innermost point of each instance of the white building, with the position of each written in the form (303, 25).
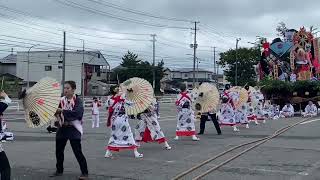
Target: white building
(49, 63)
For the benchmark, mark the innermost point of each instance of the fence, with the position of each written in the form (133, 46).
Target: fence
(162, 99)
(14, 105)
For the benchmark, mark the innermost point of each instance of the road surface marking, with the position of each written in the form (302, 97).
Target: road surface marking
(310, 121)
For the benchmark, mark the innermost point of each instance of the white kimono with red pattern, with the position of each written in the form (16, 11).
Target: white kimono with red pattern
(185, 118)
(148, 129)
(121, 135)
(227, 115)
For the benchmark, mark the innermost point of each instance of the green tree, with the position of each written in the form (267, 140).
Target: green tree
(133, 66)
(247, 58)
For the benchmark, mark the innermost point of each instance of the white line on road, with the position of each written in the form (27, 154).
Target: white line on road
(310, 121)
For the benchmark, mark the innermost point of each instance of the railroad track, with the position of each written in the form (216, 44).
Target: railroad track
(202, 169)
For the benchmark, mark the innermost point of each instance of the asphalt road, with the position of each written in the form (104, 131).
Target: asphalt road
(291, 156)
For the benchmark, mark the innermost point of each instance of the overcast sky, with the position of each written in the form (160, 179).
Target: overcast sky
(221, 21)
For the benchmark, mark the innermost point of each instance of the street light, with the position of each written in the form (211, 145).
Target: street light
(28, 59)
(236, 74)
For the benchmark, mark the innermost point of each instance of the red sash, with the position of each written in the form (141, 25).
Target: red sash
(229, 99)
(183, 95)
(116, 99)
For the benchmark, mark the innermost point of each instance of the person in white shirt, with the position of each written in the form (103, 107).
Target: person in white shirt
(287, 111)
(95, 113)
(310, 110)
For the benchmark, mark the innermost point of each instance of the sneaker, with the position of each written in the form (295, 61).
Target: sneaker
(195, 138)
(138, 155)
(108, 154)
(247, 126)
(176, 138)
(168, 147)
(83, 177)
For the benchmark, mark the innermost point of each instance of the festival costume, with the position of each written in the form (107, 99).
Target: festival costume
(121, 136)
(185, 118)
(287, 111)
(310, 111)
(148, 128)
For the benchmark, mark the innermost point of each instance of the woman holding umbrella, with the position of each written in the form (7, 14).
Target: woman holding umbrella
(121, 136)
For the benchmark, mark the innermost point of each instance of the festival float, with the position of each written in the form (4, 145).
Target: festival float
(289, 68)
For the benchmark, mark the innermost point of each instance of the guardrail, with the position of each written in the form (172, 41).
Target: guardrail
(14, 105)
(162, 99)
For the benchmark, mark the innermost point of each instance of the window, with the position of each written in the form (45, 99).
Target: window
(59, 67)
(48, 68)
(97, 70)
(186, 75)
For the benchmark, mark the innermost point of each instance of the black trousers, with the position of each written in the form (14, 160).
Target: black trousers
(5, 169)
(76, 148)
(204, 119)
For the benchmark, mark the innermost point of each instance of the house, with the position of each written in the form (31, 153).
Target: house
(11, 84)
(185, 75)
(39, 64)
(8, 64)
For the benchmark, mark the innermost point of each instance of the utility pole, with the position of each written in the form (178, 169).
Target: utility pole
(28, 65)
(82, 73)
(236, 74)
(214, 64)
(64, 61)
(154, 60)
(194, 46)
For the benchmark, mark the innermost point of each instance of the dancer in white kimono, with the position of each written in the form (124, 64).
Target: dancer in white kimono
(287, 111)
(149, 130)
(260, 112)
(251, 115)
(185, 118)
(267, 109)
(310, 110)
(227, 114)
(121, 135)
(241, 116)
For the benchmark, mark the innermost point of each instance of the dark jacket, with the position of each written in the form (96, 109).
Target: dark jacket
(70, 132)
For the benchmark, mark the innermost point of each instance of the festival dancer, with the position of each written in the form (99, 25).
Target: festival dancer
(227, 115)
(310, 110)
(121, 136)
(267, 109)
(251, 115)
(5, 169)
(185, 123)
(148, 129)
(95, 113)
(261, 115)
(287, 111)
(69, 115)
(241, 116)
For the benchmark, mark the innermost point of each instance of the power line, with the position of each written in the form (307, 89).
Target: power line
(78, 26)
(103, 13)
(109, 4)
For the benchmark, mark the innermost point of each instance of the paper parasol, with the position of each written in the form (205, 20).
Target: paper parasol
(140, 92)
(239, 96)
(41, 102)
(208, 98)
